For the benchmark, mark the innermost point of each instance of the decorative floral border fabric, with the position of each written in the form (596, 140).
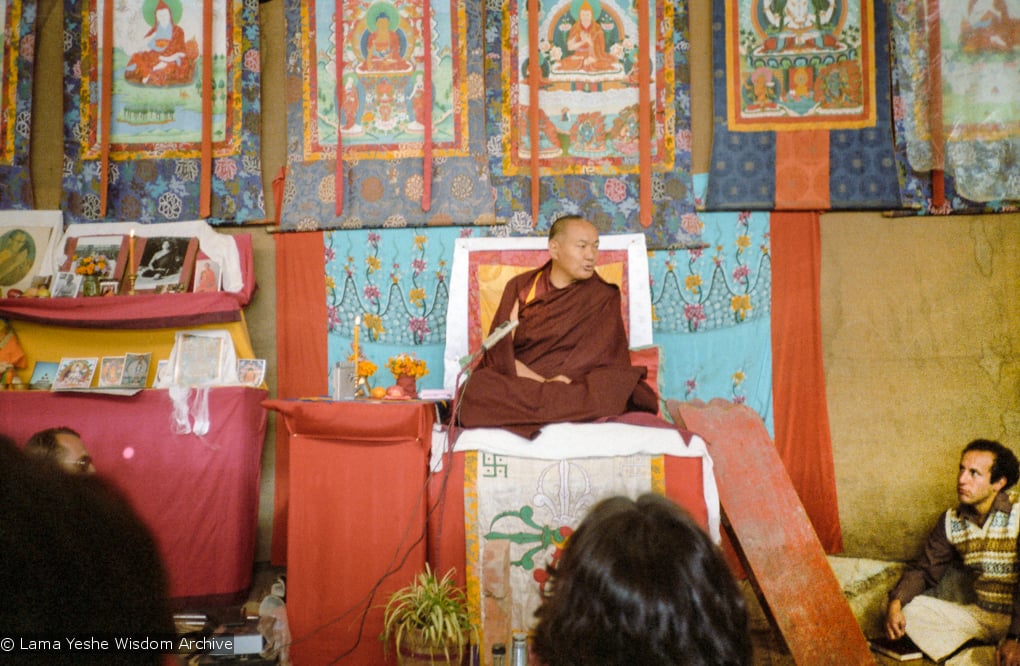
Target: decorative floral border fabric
(381, 119)
(16, 72)
(155, 135)
(862, 163)
(981, 112)
(588, 148)
(711, 305)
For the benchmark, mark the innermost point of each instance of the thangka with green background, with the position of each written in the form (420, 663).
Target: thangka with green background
(381, 122)
(155, 138)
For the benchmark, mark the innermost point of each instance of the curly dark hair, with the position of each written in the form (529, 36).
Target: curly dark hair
(74, 539)
(1005, 465)
(640, 582)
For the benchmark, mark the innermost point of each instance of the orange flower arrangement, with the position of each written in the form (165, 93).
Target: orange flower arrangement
(92, 264)
(365, 367)
(407, 364)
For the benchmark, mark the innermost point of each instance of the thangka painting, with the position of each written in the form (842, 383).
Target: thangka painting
(589, 124)
(407, 119)
(802, 114)
(799, 64)
(148, 116)
(972, 130)
(17, 25)
(526, 509)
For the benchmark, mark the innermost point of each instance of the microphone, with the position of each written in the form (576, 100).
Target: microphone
(488, 343)
(499, 333)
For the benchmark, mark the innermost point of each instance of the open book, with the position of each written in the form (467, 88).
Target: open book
(901, 649)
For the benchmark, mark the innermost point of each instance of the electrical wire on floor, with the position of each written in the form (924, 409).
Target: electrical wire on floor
(397, 562)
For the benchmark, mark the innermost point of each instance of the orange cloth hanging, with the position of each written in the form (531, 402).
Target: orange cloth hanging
(533, 79)
(338, 173)
(644, 115)
(279, 183)
(426, 167)
(802, 433)
(205, 195)
(302, 352)
(106, 82)
(802, 170)
(935, 120)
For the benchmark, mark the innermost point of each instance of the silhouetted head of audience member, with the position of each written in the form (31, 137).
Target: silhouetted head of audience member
(77, 562)
(640, 582)
(62, 446)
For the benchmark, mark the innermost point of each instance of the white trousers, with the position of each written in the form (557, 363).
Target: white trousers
(940, 627)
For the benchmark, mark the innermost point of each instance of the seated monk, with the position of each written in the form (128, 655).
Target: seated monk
(568, 359)
(586, 42)
(168, 60)
(384, 52)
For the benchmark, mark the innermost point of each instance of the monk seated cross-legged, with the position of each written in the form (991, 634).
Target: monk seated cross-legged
(568, 358)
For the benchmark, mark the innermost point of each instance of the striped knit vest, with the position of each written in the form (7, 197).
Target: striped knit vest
(990, 551)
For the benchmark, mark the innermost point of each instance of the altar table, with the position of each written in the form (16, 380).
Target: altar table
(356, 530)
(198, 495)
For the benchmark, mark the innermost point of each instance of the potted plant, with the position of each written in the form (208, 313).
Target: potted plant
(428, 621)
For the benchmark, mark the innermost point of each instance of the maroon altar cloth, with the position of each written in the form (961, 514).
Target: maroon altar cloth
(356, 524)
(198, 495)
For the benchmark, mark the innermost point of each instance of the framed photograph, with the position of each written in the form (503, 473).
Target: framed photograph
(198, 359)
(108, 288)
(66, 285)
(104, 256)
(251, 371)
(75, 373)
(207, 275)
(164, 260)
(111, 369)
(43, 374)
(136, 370)
(25, 241)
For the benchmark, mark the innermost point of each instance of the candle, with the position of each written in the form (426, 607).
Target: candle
(131, 252)
(357, 327)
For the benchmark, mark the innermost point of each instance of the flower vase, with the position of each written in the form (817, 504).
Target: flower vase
(90, 286)
(409, 384)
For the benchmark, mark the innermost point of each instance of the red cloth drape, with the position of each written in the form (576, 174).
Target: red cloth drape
(798, 375)
(358, 524)
(302, 356)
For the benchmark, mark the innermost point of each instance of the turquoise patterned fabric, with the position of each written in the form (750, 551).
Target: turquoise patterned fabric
(711, 305)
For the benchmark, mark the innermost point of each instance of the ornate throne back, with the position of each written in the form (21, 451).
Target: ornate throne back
(482, 266)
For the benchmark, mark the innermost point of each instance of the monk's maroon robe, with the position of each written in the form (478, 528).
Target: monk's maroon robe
(577, 332)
